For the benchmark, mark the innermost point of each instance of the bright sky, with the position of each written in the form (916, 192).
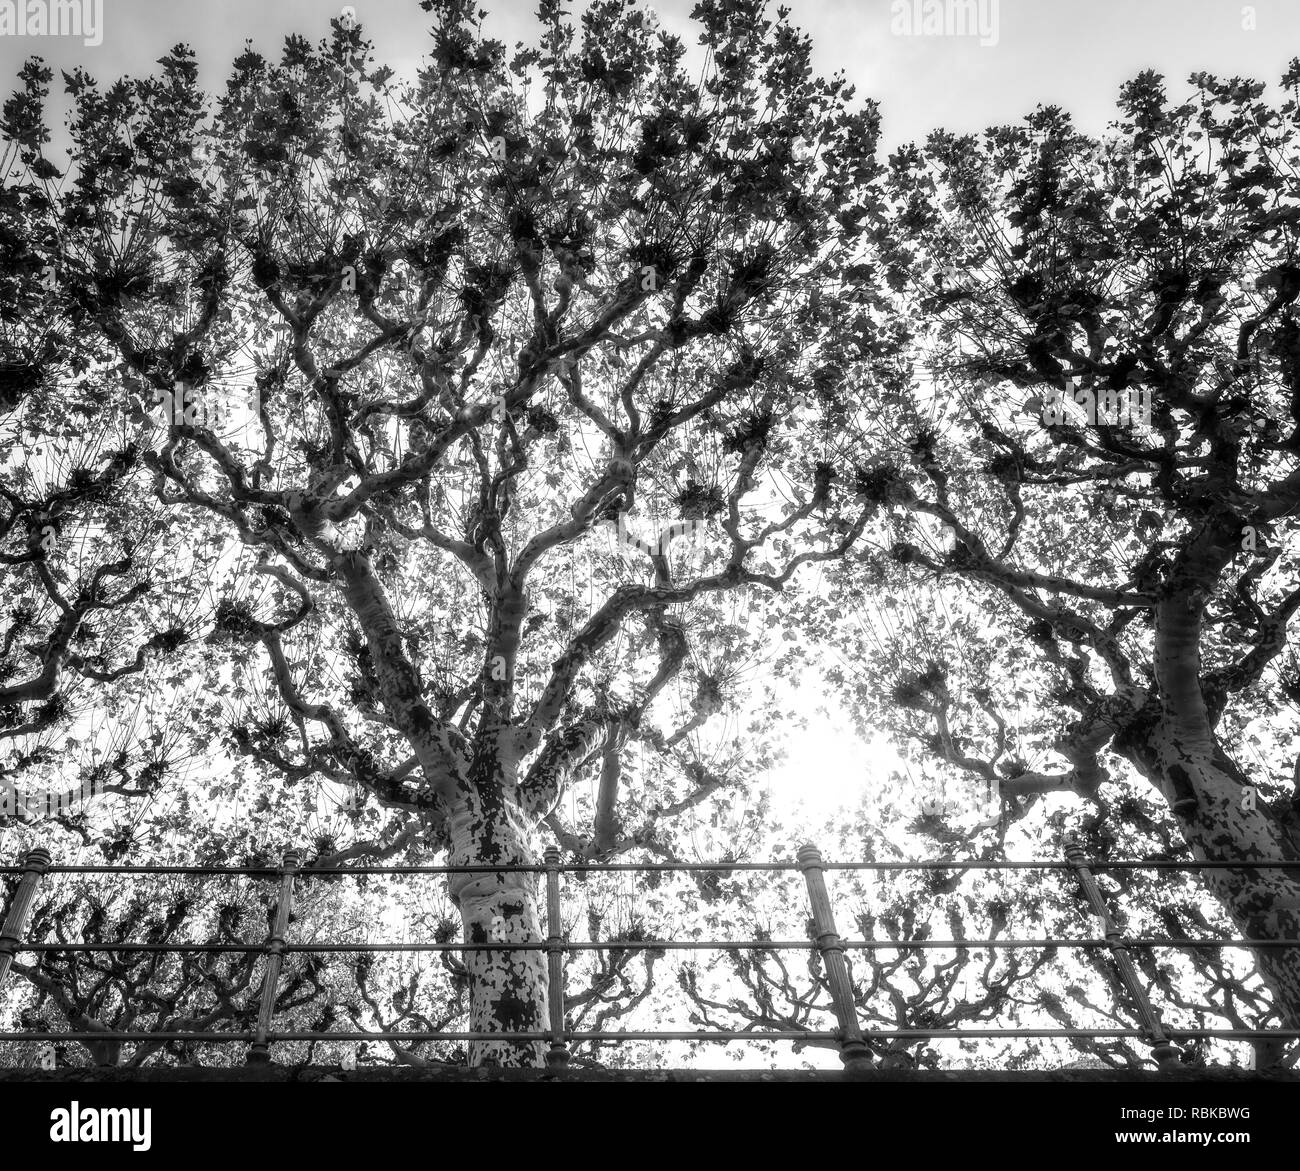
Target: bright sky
(1071, 54)
(827, 769)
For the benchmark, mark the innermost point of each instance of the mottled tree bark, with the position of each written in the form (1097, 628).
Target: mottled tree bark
(1222, 820)
(1218, 824)
(508, 989)
(482, 818)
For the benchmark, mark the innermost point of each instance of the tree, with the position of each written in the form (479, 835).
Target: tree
(1093, 484)
(420, 350)
(78, 541)
(101, 992)
(975, 984)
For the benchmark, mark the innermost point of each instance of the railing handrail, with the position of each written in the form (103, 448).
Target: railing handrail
(853, 1041)
(590, 867)
(661, 944)
(645, 1035)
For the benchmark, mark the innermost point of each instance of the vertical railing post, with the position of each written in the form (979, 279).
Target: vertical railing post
(1162, 1050)
(259, 1052)
(853, 1049)
(35, 864)
(557, 1056)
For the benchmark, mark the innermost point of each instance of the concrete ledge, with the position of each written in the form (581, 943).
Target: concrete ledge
(394, 1074)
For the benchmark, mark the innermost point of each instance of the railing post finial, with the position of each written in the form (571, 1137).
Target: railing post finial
(35, 864)
(259, 1052)
(557, 1057)
(1163, 1052)
(853, 1048)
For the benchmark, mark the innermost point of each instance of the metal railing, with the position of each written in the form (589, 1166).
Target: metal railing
(854, 1049)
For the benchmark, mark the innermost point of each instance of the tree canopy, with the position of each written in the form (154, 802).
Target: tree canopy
(406, 368)
(437, 469)
(1084, 484)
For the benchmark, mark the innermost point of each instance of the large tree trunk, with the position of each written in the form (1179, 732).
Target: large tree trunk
(1220, 820)
(1208, 797)
(480, 816)
(507, 988)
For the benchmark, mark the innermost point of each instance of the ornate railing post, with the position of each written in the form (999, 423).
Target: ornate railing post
(259, 1052)
(557, 1056)
(1162, 1050)
(853, 1049)
(35, 864)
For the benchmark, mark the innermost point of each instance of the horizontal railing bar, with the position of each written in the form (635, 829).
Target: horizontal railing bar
(720, 1035)
(661, 945)
(578, 868)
